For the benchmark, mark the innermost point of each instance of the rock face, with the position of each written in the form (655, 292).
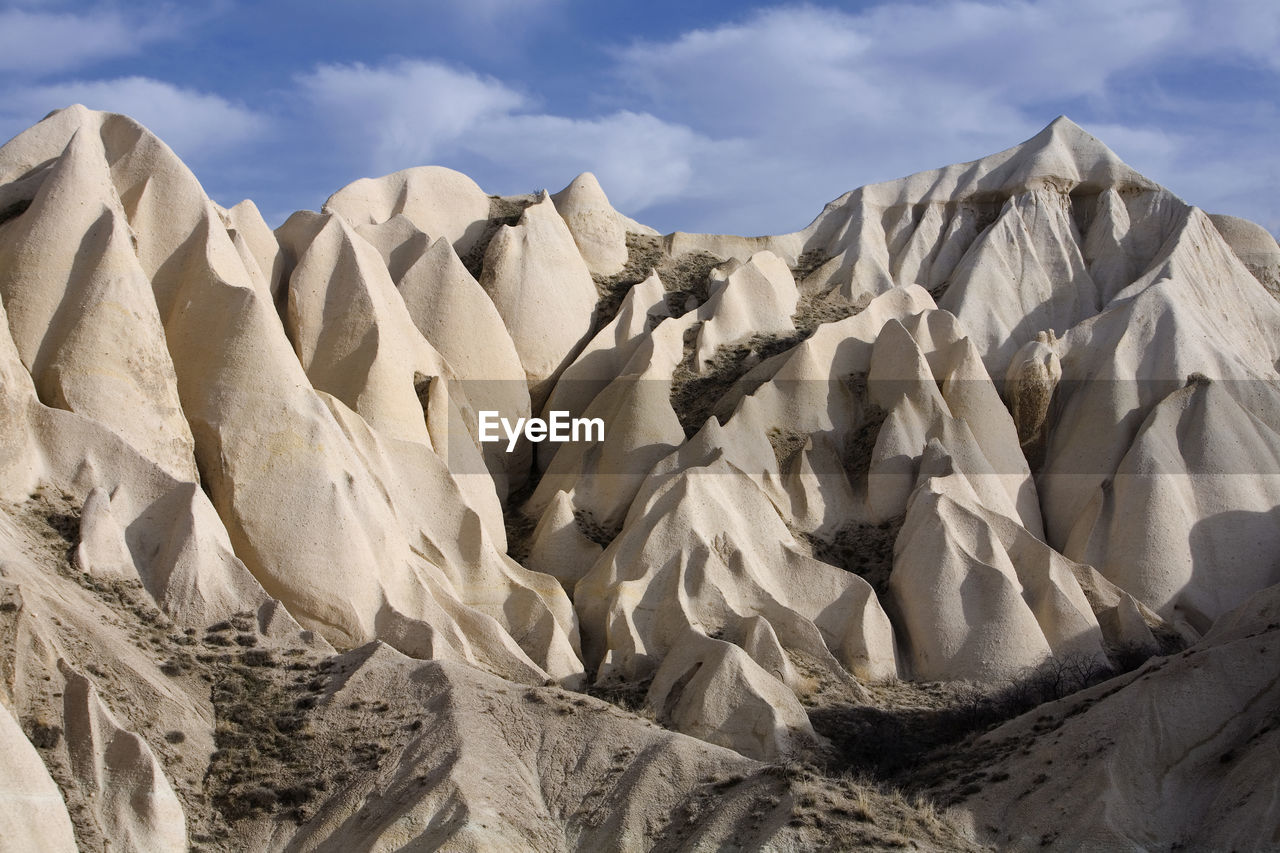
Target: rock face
(267, 582)
(439, 202)
(1205, 787)
(33, 815)
(598, 230)
(543, 291)
(134, 802)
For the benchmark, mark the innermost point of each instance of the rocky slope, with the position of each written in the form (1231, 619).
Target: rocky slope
(873, 500)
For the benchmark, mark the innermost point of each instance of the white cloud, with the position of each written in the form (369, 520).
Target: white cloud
(823, 100)
(415, 112)
(877, 63)
(753, 125)
(34, 43)
(749, 126)
(406, 113)
(195, 124)
(639, 159)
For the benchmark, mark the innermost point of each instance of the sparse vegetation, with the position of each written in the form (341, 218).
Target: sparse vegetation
(808, 263)
(519, 526)
(55, 516)
(627, 695)
(42, 733)
(644, 255)
(815, 310)
(861, 444)
(786, 443)
(260, 766)
(818, 810)
(687, 279)
(592, 529)
(696, 393)
(908, 736)
(503, 210)
(865, 550)
(869, 790)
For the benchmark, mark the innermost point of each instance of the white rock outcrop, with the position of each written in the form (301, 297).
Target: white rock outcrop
(33, 815)
(133, 801)
(599, 232)
(993, 419)
(543, 292)
(437, 201)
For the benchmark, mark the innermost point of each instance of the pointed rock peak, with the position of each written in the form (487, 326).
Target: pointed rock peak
(441, 251)
(598, 230)
(245, 206)
(1062, 157)
(297, 232)
(707, 442)
(583, 190)
(542, 208)
(75, 115)
(438, 263)
(73, 109)
(46, 140)
(1064, 131)
(242, 215)
(1065, 153)
(1064, 124)
(69, 118)
(119, 132)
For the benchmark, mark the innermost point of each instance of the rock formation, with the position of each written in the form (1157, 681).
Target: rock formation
(975, 475)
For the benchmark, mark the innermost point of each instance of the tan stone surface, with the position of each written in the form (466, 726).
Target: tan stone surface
(1013, 413)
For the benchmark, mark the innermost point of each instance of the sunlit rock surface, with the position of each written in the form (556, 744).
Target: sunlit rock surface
(265, 583)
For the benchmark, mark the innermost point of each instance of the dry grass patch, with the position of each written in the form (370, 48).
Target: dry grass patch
(865, 550)
(503, 210)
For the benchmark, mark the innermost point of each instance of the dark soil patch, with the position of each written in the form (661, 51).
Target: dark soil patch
(260, 765)
(594, 530)
(694, 395)
(687, 276)
(808, 263)
(924, 736)
(865, 550)
(503, 210)
(520, 526)
(814, 311)
(644, 255)
(627, 695)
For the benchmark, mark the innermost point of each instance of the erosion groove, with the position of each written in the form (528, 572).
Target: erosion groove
(900, 527)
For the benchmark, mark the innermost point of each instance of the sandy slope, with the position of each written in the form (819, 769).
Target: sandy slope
(264, 587)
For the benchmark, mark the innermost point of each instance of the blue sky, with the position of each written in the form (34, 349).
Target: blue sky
(701, 116)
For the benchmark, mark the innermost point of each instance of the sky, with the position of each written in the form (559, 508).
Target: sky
(728, 117)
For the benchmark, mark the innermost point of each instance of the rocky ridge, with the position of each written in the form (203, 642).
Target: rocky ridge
(970, 441)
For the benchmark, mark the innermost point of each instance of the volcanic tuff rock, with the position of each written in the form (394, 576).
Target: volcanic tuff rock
(971, 440)
(598, 229)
